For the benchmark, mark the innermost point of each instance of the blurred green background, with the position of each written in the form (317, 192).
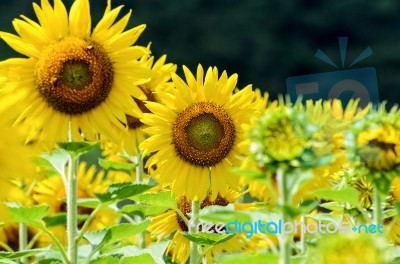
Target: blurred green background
(264, 41)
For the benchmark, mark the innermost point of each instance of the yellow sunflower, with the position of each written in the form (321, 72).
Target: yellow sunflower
(196, 133)
(169, 222)
(163, 71)
(51, 192)
(349, 249)
(75, 81)
(380, 148)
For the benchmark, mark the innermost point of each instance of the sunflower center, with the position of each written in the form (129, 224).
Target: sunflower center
(74, 76)
(132, 121)
(203, 134)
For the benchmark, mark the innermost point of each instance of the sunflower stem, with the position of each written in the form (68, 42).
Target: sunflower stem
(378, 214)
(284, 201)
(72, 209)
(139, 179)
(23, 240)
(194, 220)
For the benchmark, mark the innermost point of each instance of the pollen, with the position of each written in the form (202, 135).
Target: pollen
(203, 134)
(74, 76)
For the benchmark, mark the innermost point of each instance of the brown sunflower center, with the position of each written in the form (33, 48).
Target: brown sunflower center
(185, 206)
(132, 121)
(74, 76)
(203, 134)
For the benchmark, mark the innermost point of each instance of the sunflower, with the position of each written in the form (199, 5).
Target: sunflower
(163, 72)
(365, 190)
(51, 192)
(380, 148)
(169, 222)
(376, 143)
(79, 81)
(196, 133)
(349, 249)
(15, 161)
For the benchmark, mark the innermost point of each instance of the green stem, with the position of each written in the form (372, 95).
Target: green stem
(378, 213)
(72, 209)
(303, 244)
(23, 240)
(284, 201)
(87, 223)
(60, 247)
(6, 247)
(139, 179)
(194, 248)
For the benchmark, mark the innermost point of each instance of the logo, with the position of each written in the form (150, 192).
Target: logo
(344, 84)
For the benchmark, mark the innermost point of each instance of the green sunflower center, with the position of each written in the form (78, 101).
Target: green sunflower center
(203, 134)
(74, 76)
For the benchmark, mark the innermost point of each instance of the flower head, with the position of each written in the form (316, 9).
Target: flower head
(196, 133)
(75, 81)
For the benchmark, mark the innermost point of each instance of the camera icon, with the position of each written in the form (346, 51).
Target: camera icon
(344, 84)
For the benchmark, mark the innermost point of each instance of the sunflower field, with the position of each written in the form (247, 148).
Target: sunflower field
(107, 155)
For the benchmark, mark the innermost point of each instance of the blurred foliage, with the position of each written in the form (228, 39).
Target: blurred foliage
(264, 41)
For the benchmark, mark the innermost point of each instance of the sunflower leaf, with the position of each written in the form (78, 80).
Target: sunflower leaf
(207, 239)
(120, 191)
(28, 215)
(143, 259)
(58, 160)
(55, 220)
(78, 148)
(347, 195)
(163, 199)
(19, 254)
(105, 260)
(117, 166)
(115, 234)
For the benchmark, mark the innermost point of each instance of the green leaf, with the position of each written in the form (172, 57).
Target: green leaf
(255, 259)
(55, 220)
(50, 261)
(120, 191)
(115, 234)
(247, 258)
(249, 173)
(118, 232)
(95, 238)
(88, 202)
(141, 259)
(117, 166)
(207, 239)
(105, 260)
(20, 254)
(145, 210)
(28, 215)
(325, 217)
(223, 214)
(163, 199)
(333, 206)
(156, 250)
(397, 206)
(347, 195)
(45, 166)
(78, 148)
(58, 159)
